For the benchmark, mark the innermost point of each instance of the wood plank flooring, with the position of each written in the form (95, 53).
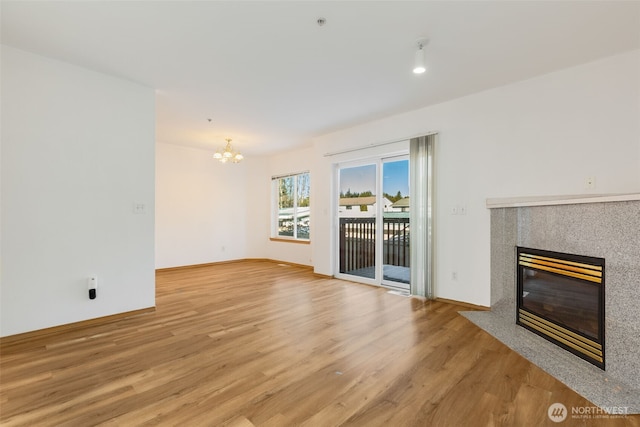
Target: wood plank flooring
(257, 343)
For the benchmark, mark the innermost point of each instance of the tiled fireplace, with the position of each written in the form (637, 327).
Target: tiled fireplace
(605, 227)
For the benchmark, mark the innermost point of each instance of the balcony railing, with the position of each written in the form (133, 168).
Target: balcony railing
(357, 243)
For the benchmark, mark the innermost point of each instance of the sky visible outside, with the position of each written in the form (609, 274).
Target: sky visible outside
(396, 177)
(363, 178)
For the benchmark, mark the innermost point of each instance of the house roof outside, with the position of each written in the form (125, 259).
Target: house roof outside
(357, 201)
(402, 203)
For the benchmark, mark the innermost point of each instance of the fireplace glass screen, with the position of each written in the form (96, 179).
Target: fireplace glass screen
(561, 298)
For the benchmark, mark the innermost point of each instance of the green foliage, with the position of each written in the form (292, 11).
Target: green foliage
(350, 193)
(289, 186)
(395, 198)
(303, 202)
(285, 193)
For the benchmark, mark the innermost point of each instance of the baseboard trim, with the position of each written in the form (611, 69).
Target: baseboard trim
(42, 333)
(232, 261)
(207, 264)
(276, 261)
(464, 304)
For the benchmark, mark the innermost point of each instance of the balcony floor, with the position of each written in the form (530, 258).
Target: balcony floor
(390, 272)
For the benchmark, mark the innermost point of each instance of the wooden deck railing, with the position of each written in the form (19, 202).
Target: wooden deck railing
(357, 243)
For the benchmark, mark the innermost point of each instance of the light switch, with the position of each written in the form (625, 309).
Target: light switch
(139, 208)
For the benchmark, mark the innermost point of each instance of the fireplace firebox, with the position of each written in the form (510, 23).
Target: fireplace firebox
(561, 298)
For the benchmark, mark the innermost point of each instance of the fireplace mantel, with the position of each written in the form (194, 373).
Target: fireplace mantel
(518, 202)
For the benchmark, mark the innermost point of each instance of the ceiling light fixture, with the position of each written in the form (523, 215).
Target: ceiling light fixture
(419, 66)
(228, 155)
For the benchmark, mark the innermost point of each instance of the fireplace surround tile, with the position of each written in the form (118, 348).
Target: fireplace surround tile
(609, 229)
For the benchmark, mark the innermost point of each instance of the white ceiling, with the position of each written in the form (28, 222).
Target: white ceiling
(270, 78)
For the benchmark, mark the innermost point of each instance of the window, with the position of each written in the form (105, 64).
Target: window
(291, 201)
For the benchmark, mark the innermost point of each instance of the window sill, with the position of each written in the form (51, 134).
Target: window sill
(279, 239)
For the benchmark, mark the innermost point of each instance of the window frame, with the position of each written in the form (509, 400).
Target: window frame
(275, 208)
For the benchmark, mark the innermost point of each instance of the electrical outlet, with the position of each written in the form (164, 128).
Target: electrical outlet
(454, 275)
(590, 183)
(92, 283)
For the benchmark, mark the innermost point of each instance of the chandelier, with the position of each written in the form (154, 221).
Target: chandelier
(228, 155)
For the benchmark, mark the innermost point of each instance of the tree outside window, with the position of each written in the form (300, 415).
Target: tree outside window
(293, 208)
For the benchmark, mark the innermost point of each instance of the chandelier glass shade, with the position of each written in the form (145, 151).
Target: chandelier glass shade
(228, 155)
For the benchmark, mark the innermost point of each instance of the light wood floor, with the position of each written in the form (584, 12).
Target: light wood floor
(257, 343)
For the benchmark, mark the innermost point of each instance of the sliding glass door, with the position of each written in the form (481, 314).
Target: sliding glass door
(357, 231)
(395, 223)
(373, 215)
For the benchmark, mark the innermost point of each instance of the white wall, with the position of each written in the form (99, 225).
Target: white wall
(538, 137)
(201, 207)
(77, 153)
(211, 212)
